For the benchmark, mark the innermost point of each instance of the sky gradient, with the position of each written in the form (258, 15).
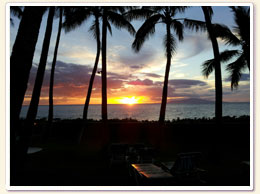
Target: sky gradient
(133, 76)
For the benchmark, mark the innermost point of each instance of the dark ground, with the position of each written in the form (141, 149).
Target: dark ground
(66, 162)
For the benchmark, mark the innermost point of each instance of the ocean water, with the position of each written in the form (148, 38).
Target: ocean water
(143, 111)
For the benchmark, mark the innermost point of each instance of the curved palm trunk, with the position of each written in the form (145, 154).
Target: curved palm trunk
(20, 65)
(91, 81)
(50, 116)
(166, 77)
(32, 111)
(22, 57)
(104, 67)
(218, 78)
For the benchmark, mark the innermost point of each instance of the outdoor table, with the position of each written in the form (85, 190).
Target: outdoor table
(151, 171)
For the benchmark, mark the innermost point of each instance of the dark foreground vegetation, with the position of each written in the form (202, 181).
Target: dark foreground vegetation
(74, 157)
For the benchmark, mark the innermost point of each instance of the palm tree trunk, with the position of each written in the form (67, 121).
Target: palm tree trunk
(50, 116)
(27, 130)
(21, 60)
(166, 77)
(218, 78)
(91, 81)
(20, 65)
(104, 67)
(32, 111)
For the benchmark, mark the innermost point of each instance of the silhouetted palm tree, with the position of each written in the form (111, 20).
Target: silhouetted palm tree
(212, 30)
(22, 56)
(50, 116)
(165, 15)
(32, 111)
(218, 78)
(96, 33)
(20, 66)
(242, 39)
(113, 15)
(76, 17)
(107, 14)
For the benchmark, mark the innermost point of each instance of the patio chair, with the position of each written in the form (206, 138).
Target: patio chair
(185, 168)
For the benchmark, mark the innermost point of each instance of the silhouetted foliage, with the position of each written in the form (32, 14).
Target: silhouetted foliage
(155, 15)
(72, 16)
(50, 116)
(209, 65)
(33, 108)
(20, 66)
(111, 15)
(240, 37)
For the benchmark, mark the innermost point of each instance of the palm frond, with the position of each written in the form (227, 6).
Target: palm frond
(223, 32)
(169, 45)
(228, 54)
(242, 20)
(109, 28)
(156, 9)
(140, 13)
(120, 21)
(145, 31)
(93, 29)
(178, 28)
(176, 9)
(16, 11)
(118, 9)
(195, 25)
(235, 70)
(208, 67)
(74, 17)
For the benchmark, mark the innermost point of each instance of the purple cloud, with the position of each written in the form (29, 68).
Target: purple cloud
(145, 82)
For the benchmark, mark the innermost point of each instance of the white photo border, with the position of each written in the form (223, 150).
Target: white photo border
(129, 188)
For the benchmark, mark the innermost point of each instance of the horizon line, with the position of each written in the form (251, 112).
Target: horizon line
(209, 102)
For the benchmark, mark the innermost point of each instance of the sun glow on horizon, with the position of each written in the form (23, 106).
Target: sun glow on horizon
(129, 100)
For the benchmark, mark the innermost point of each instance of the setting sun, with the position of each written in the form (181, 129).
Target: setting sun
(127, 100)
(130, 100)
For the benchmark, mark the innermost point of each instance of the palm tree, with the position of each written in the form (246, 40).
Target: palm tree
(20, 66)
(212, 32)
(22, 57)
(96, 33)
(76, 17)
(32, 111)
(116, 16)
(107, 14)
(50, 116)
(242, 39)
(165, 15)
(218, 78)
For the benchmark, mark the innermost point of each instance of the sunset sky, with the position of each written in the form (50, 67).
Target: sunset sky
(133, 77)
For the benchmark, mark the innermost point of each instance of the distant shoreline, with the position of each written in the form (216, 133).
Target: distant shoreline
(132, 120)
(177, 120)
(143, 104)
